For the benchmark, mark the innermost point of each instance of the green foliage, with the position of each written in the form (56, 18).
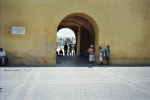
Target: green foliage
(68, 40)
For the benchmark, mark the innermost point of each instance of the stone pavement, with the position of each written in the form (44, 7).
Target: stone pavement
(75, 83)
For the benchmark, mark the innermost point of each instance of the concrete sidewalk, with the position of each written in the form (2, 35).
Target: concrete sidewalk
(73, 79)
(75, 83)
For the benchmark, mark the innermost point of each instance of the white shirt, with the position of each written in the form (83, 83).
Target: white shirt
(2, 53)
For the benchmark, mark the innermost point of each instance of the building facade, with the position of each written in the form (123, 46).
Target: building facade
(29, 28)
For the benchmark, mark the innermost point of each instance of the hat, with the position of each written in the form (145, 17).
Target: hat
(91, 46)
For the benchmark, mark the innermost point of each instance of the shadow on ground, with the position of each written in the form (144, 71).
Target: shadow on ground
(75, 61)
(61, 61)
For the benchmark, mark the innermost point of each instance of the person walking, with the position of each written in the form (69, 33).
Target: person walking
(75, 49)
(107, 51)
(66, 48)
(70, 49)
(91, 55)
(101, 53)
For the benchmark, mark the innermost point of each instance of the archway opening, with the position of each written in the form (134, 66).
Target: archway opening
(85, 29)
(65, 36)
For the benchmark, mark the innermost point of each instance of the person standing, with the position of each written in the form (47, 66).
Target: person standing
(70, 49)
(75, 49)
(3, 58)
(101, 53)
(91, 54)
(66, 48)
(107, 51)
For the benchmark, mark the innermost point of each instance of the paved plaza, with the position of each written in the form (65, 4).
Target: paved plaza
(75, 83)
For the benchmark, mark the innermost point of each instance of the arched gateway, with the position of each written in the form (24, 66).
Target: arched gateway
(85, 29)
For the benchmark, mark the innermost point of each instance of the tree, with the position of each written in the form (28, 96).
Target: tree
(68, 40)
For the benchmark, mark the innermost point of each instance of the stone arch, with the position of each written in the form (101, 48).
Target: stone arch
(85, 29)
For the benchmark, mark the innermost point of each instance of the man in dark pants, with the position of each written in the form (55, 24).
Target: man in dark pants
(66, 48)
(75, 49)
(107, 51)
(70, 49)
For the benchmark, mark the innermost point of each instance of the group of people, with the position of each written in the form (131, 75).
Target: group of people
(71, 50)
(68, 50)
(102, 53)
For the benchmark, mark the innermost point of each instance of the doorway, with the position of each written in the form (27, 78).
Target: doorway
(85, 30)
(66, 36)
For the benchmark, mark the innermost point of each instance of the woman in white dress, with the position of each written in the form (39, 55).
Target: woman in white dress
(101, 52)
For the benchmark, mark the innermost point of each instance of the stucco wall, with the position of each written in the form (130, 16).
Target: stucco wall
(123, 24)
(127, 31)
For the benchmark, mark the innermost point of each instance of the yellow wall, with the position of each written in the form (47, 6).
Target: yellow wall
(123, 24)
(127, 31)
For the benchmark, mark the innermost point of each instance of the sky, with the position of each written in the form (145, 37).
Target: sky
(65, 32)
